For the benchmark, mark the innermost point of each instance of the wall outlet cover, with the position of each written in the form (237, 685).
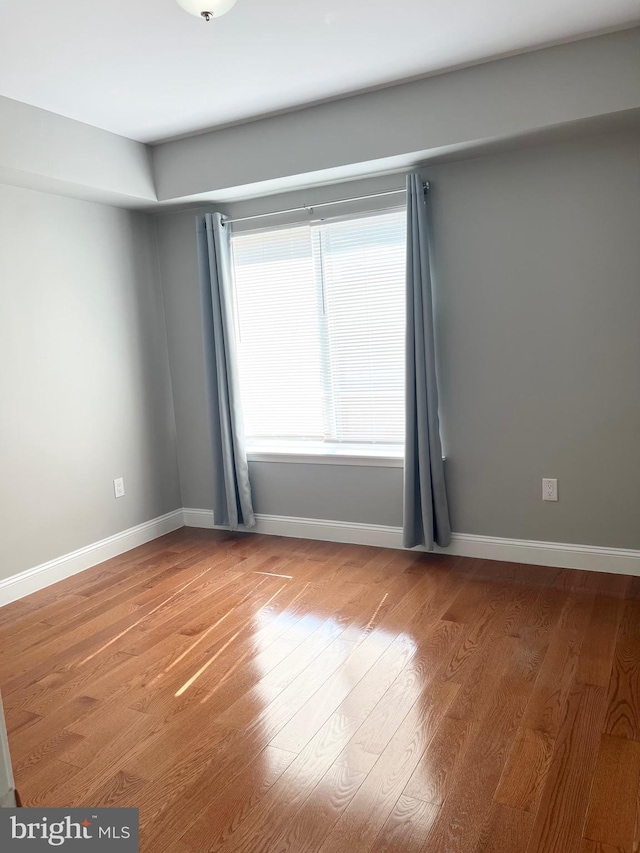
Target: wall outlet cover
(118, 487)
(549, 490)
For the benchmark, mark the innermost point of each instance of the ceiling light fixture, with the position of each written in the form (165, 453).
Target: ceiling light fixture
(206, 9)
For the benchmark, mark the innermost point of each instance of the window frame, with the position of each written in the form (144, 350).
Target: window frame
(373, 454)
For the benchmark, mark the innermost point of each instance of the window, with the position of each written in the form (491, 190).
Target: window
(320, 329)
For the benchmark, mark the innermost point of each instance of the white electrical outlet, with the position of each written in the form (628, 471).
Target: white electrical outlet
(549, 490)
(118, 487)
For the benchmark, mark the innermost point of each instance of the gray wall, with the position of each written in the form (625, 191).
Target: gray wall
(84, 384)
(499, 99)
(357, 494)
(539, 310)
(49, 152)
(539, 318)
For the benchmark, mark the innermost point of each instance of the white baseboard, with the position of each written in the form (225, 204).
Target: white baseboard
(560, 554)
(32, 580)
(592, 558)
(198, 518)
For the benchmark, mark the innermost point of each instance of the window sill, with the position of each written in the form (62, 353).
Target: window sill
(378, 457)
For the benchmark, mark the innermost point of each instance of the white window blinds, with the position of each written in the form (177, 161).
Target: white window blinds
(320, 324)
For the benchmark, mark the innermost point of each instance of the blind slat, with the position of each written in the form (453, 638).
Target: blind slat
(320, 314)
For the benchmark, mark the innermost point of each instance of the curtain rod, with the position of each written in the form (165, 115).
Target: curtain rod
(309, 208)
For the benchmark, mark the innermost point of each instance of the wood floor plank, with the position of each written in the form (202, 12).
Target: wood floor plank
(363, 751)
(623, 708)
(322, 704)
(460, 819)
(262, 827)
(274, 705)
(433, 777)
(25, 741)
(407, 827)
(376, 798)
(51, 602)
(612, 814)
(283, 691)
(630, 624)
(307, 829)
(489, 621)
(526, 770)
(580, 602)
(466, 604)
(476, 693)
(545, 612)
(120, 789)
(209, 759)
(466, 808)
(506, 830)
(425, 597)
(596, 653)
(563, 808)
(54, 747)
(546, 708)
(32, 605)
(589, 846)
(232, 683)
(42, 785)
(65, 682)
(209, 813)
(98, 737)
(16, 719)
(255, 694)
(365, 695)
(77, 787)
(81, 645)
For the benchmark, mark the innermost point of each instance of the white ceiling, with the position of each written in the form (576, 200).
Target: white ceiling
(147, 70)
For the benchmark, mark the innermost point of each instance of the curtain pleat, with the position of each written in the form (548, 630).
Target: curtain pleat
(426, 512)
(232, 503)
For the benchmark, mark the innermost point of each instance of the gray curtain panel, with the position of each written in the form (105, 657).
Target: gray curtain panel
(232, 505)
(426, 512)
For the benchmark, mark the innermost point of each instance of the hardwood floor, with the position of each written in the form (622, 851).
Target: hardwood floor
(255, 694)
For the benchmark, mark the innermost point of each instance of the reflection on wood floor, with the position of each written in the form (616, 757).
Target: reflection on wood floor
(271, 695)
